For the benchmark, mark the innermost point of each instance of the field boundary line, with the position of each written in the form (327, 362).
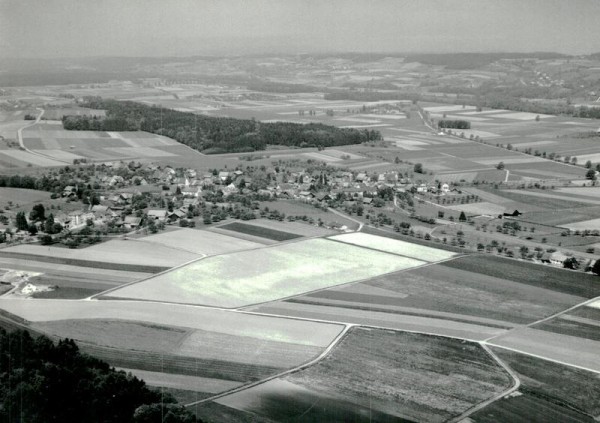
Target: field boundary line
(545, 319)
(315, 360)
(499, 396)
(540, 357)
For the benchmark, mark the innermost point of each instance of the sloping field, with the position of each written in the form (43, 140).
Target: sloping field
(557, 383)
(566, 349)
(480, 208)
(386, 376)
(394, 246)
(259, 231)
(453, 294)
(115, 251)
(21, 196)
(199, 242)
(267, 274)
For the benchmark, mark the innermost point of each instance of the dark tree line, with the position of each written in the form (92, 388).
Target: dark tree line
(454, 124)
(43, 382)
(212, 134)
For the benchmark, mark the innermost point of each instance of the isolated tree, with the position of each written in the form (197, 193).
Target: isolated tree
(418, 168)
(588, 164)
(49, 225)
(571, 263)
(500, 166)
(462, 217)
(21, 222)
(590, 174)
(537, 118)
(37, 213)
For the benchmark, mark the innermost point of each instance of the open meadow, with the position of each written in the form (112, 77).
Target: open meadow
(267, 274)
(380, 376)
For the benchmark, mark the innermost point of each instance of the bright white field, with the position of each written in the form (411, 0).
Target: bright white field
(593, 224)
(480, 208)
(394, 246)
(591, 157)
(587, 191)
(116, 251)
(267, 274)
(520, 116)
(213, 320)
(448, 108)
(594, 304)
(200, 242)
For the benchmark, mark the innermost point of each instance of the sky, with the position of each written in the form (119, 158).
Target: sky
(83, 28)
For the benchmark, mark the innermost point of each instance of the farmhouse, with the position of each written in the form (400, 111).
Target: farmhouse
(157, 214)
(132, 222)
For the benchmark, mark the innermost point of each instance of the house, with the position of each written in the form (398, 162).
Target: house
(157, 214)
(367, 200)
(132, 222)
(176, 214)
(79, 218)
(69, 191)
(191, 192)
(229, 190)
(557, 258)
(223, 176)
(305, 195)
(513, 214)
(445, 187)
(361, 177)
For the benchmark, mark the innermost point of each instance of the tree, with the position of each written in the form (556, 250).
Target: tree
(500, 166)
(49, 225)
(588, 164)
(418, 168)
(37, 213)
(46, 239)
(596, 267)
(21, 222)
(571, 263)
(462, 217)
(590, 174)
(32, 229)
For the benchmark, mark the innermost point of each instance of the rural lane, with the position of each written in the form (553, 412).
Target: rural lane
(35, 153)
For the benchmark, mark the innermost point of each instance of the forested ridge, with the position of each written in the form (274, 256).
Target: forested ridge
(43, 382)
(212, 134)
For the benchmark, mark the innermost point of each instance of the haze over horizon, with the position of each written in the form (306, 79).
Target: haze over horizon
(81, 28)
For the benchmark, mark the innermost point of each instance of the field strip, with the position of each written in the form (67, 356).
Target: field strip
(516, 385)
(95, 296)
(541, 357)
(192, 383)
(315, 360)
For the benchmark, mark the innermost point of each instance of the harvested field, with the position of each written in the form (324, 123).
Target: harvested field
(117, 252)
(212, 320)
(199, 242)
(557, 383)
(448, 290)
(592, 224)
(527, 408)
(567, 349)
(259, 231)
(550, 278)
(394, 246)
(407, 384)
(267, 274)
(296, 228)
(419, 321)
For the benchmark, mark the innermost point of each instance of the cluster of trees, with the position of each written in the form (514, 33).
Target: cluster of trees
(42, 382)
(280, 87)
(213, 134)
(454, 124)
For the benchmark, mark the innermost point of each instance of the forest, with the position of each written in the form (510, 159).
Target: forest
(212, 135)
(43, 382)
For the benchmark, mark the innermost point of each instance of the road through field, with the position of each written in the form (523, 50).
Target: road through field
(35, 153)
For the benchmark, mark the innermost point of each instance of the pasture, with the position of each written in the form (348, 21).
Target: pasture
(267, 274)
(408, 384)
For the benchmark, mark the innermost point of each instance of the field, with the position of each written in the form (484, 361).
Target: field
(297, 208)
(22, 197)
(259, 231)
(115, 252)
(267, 274)
(394, 246)
(199, 242)
(224, 348)
(362, 381)
(582, 322)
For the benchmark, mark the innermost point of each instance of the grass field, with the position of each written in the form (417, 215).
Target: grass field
(361, 379)
(557, 383)
(450, 293)
(126, 252)
(259, 231)
(582, 322)
(199, 242)
(21, 196)
(394, 246)
(267, 274)
(553, 279)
